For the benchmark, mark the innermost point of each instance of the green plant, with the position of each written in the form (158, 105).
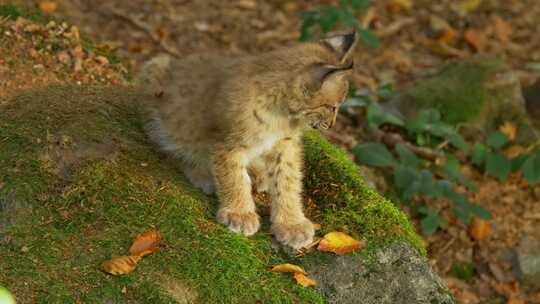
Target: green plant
(327, 17)
(415, 177)
(490, 156)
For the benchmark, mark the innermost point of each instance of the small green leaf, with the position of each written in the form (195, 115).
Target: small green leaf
(463, 212)
(458, 141)
(427, 186)
(531, 168)
(463, 271)
(481, 212)
(404, 177)
(431, 223)
(440, 129)
(478, 154)
(329, 16)
(406, 157)
(518, 161)
(452, 170)
(376, 116)
(447, 190)
(497, 140)
(498, 165)
(374, 155)
(368, 37)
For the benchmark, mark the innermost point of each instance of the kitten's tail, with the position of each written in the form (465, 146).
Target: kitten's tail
(152, 76)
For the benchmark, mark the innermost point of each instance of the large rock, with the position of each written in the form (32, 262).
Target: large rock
(478, 94)
(395, 274)
(79, 179)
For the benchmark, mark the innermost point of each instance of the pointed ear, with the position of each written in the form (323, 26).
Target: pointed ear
(342, 45)
(318, 74)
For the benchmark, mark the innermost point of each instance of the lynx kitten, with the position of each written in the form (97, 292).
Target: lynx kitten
(234, 122)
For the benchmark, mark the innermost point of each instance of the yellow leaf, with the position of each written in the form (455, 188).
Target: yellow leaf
(476, 39)
(515, 151)
(339, 243)
(509, 129)
(503, 29)
(467, 6)
(288, 268)
(406, 4)
(479, 229)
(145, 243)
(48, 7)
(119, 265)
(304, 280)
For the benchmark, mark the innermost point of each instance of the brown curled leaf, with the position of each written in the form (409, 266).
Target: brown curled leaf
(145, 243)
(119, 265)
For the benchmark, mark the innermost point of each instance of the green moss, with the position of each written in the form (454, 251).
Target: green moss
(81, 216)
(346, 203)
(458, 91)
(13, 12)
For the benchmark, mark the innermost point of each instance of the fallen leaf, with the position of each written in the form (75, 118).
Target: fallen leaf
(48, 7)
(288, 268)
(339, 243)
(476, 39)
(509, 129)
(514, 151)
(304, 280)
(479, 229)
(247, 4)
(446, 34)
(503, 29)
(396, 6)
(119, 265)
(145, 243)
(465, 7)
(515, 300)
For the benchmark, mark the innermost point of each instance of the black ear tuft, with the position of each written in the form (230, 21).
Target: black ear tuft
(342, 44)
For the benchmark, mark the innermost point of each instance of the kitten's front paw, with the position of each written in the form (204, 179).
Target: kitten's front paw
(295, 235)
(246, 223)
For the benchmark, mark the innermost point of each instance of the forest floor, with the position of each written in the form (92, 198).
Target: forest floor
(414, 41)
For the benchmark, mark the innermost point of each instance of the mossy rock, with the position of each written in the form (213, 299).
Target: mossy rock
(79, 179)
(478, 94)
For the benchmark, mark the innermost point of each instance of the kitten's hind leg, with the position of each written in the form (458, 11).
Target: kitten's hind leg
(201, 177)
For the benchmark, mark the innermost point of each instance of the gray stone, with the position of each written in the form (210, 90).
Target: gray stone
(394, 274)
(527, 264)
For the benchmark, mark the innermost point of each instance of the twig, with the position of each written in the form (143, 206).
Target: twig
(395, 27)
(393, 139)
(145, 27)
